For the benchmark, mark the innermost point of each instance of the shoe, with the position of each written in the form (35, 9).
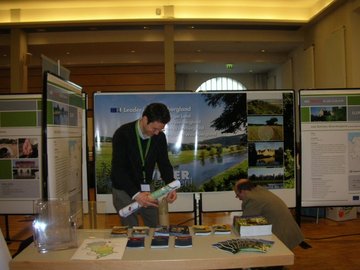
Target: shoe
(304, 245)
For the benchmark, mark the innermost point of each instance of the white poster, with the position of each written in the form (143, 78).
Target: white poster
(330, 147)
(20, 153)
(64, 139)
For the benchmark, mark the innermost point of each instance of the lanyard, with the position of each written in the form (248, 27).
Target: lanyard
(143, 157)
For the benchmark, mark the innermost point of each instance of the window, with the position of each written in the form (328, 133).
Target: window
(220, 83)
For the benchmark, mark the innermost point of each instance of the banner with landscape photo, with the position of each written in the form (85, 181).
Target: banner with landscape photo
(213, 138)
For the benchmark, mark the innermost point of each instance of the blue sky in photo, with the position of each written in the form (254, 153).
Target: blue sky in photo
(261, 120)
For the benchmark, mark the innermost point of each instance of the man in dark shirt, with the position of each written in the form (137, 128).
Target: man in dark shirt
(137, 147)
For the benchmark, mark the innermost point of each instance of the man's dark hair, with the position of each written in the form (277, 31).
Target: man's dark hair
(246, 185)
(157, 112)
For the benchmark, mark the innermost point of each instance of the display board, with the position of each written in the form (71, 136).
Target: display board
(85, 150)
(62, 139)
(213, 140)
(20, 148)
(330, 147)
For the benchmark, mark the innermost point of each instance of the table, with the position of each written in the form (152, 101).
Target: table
(201, 256)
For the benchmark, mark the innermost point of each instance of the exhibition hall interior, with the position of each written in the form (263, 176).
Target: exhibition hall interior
(265, 90)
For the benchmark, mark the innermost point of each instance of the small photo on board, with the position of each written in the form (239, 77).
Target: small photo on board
(272, 178)
(60, 114)
(265, 128)
(8, 148)
(266, 154)
(326, 114)
(26, 169)
(28, 148)
(265, 106)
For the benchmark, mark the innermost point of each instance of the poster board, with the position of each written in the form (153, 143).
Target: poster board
(330, 147)
(62, 140)
(85, 150)
(213, 139)
(20, 152)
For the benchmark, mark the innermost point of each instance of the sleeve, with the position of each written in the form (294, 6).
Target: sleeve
(122, 175)
(165, 167)
(250, 208)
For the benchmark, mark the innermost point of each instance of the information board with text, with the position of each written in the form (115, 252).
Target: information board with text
(330, 147)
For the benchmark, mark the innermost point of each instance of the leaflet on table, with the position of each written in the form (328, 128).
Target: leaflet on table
(101, 249)
(131, 208)
(244, 245)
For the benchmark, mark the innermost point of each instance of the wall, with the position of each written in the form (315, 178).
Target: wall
(354, 45)
(190, 82)
(335, 59)
(105, 78)
(4, 80)
(145, 77)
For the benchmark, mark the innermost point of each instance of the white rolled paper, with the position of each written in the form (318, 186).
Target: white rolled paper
(131, 208)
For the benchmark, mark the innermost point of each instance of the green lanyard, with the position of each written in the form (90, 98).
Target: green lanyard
(143, 157)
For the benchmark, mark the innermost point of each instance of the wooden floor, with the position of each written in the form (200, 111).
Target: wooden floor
(335, 245)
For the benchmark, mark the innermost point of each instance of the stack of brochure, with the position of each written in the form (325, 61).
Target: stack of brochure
(160, 242)
(252, 226)
(119, 231)
(179, 230)
(140, 231)
(221, 228)
(201, 229)
(161, 231)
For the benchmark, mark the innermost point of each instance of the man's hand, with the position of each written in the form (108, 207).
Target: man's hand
(171, 197)
(145, 200)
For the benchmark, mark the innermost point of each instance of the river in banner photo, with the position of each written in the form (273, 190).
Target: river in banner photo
(199, 172)
(194, 171)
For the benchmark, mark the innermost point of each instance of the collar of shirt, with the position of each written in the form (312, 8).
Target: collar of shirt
(142, 136)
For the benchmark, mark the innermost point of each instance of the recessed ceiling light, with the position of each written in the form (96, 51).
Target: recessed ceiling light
(198, 50)
(263, 50)
(133, 51)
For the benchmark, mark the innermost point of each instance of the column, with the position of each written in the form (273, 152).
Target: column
(18, 61)
(169, 57)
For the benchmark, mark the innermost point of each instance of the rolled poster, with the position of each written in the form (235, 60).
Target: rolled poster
(131, 208)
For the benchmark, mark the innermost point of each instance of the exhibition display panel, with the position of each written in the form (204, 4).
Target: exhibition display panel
(330, 147)
(214, 138)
